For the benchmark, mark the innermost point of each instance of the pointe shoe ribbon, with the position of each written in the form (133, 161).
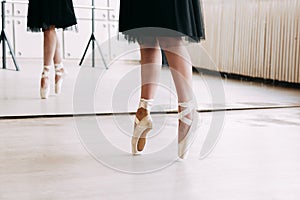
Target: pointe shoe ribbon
(186, 142)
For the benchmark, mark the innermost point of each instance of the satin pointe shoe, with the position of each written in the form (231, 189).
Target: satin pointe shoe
(45, 86)
(60, 74)
(188, 108)
(141, 127)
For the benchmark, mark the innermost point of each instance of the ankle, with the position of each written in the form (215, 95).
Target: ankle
(59, 68)
(58, 65)
(46, 70)
(59, 71)
(186, 108)
(144, 108)
(146, 104)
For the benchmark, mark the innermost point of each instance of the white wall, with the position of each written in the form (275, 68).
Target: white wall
(29, 45)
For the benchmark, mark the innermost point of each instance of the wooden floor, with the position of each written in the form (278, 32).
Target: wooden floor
(256, 156)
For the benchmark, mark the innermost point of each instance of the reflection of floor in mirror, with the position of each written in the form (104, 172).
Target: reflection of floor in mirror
(256, 157)
(117, 89)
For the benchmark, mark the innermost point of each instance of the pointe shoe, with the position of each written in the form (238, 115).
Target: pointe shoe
(141, 128)
(186, 142)
(60, 74)
(45, 87)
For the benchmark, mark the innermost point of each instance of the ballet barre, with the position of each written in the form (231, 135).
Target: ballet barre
(92, 39)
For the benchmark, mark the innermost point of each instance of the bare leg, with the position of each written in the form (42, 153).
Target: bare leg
(49, 45)
(57, 59)
(49, 50)
(181, 68)
(150, 70)
(57, 54)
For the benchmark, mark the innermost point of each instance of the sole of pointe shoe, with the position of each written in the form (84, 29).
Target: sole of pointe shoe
(142, 140)
(139, 132)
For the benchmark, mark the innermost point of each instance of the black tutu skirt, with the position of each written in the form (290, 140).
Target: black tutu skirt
(43, 14)
(140, 19)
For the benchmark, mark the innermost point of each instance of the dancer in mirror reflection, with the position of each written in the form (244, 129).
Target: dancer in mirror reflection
(165, 24)
(46, 16)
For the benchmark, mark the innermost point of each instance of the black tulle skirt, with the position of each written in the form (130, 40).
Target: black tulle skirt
(169, 17)
(43, 14)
